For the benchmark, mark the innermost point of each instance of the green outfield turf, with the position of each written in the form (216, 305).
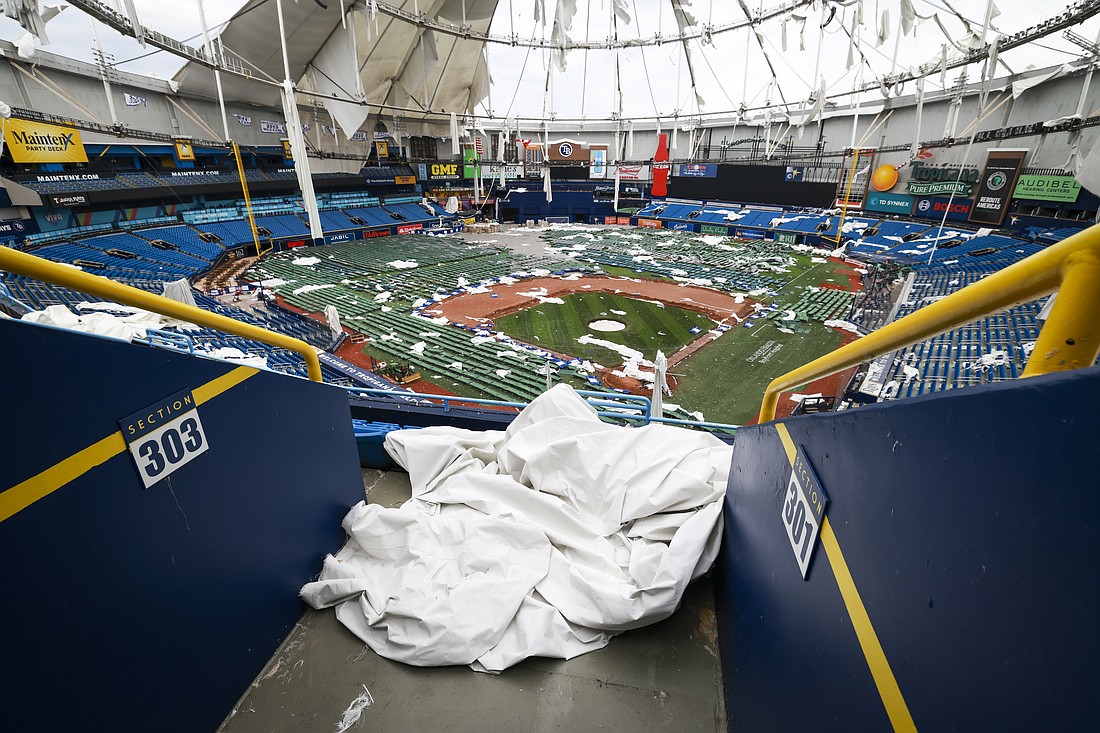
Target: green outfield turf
(726, 379)
(649, 326)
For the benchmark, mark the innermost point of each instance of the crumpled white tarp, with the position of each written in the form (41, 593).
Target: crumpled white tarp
(127, 328)
(132, 324)
(543, 540)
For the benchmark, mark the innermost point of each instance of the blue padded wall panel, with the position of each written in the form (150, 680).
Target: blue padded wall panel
(153, 609)
(968, 520)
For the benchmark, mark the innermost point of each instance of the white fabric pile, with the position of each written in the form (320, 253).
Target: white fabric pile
(543, 540)
(133, 324)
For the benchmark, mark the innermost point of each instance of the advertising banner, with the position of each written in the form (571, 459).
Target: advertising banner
(68, 199)
(383, 148)
(932, 207)
(1002, 168)
(698, 170)
(598, 158)
(184, 151)
(633, 173)
(39, 142)
(714, 229)
(1047, 188)
(273, 127)
(469, 163)
(623, 220)
(409, 228)
(491, 172)
(404, 180)
(650, 223)
(889, 203)
(438, 171)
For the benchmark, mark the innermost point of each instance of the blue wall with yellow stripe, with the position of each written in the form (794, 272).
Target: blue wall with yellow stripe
(152, 609)
(955, 586)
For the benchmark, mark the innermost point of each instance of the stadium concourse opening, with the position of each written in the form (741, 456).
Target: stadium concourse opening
(503, 287)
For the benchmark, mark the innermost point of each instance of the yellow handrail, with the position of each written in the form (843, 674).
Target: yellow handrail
(70, 277)
(1070, 339)
(247, 197)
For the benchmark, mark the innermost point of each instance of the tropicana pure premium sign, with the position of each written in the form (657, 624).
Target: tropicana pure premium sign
(41, 142)
(927, 180)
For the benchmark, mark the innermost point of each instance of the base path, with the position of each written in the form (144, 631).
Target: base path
(473, 309)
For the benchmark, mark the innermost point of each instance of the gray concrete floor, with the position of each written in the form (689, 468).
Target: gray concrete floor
(663, 677)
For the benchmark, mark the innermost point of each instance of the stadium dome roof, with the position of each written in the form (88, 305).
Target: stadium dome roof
(648, 60)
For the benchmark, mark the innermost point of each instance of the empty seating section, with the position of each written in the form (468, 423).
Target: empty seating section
(733, 269)
(283, 225)
(807, 223)
(336, 221)
(817, 304)
(232, 233)
(186, 238)
(373, 288)
(372, 216)
(161, 260)
(991, 349)
(718, 214)
(410, 212)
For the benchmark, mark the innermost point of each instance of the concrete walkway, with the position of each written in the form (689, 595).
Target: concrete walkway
(665, 677)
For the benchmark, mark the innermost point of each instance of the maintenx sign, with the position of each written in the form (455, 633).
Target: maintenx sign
(39, 142)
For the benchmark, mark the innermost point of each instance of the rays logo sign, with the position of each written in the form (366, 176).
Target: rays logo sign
(40, 142)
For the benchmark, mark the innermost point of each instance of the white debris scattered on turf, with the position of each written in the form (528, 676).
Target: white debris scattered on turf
(801, 397)
(514, 354)
(540, 295)
(403, 264)
(311, 288)
(711, 239)
(502, 373)
(418, 348)
(274, 282)
(788, 316)
(783, 330)
(419, 303)
(843, 325)
(456, 365)
(463, 282)
(391, 336)
(305, 261)
(479, 340)
(385, 309)
(619, 313)
(383, 297)
(818, 259)
(428, 334)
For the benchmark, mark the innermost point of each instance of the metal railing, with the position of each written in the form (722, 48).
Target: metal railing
(1070, 339)
(615, 406)
(22, 263)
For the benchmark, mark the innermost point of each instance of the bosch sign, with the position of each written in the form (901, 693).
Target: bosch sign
(934, 207)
